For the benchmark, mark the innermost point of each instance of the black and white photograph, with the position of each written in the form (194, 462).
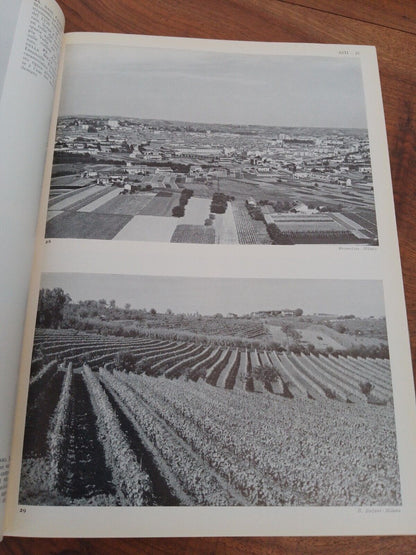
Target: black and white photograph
(194, 146)
(167, 391)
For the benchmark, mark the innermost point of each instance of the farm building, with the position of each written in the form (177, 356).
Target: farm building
(314, 228)
(251, 202)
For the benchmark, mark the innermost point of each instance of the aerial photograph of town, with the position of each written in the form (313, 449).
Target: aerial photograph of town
(194, 156)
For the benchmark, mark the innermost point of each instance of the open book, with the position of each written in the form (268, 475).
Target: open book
(202, 285)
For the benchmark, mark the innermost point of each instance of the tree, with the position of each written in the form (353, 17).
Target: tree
(340, 328)
(298, 312)
(266, 373)
(52, 303)
(277, 236)
(143, 366)
(125, 360)
(368, 389)
(290, 331)
(178, 211)
(269, 375)
(219, 203)
(183, 201)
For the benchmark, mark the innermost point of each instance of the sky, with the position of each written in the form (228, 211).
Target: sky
(209, 296)
(212, 87)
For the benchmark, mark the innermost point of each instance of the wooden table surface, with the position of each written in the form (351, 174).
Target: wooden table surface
(390, 25)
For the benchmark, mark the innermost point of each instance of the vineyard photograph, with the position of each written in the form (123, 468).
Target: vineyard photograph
(165, 391)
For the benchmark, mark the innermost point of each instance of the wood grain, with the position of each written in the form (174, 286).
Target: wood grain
(390, 25)
(394, 14)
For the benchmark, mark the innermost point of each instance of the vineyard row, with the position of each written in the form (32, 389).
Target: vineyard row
(312, 376)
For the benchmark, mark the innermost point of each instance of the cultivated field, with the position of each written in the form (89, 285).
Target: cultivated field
(147, 228)
(77, 199)
(160, 205)
(280, 170)
(128, 205)
(193, 234)
(200, 424)
(235, 226)
(86, 225)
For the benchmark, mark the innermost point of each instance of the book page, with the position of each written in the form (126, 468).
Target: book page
(10, 13)
(217, 340)
(31, 37)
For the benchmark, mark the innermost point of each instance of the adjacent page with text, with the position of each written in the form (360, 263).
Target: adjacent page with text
(30, 45)
(216, 340)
